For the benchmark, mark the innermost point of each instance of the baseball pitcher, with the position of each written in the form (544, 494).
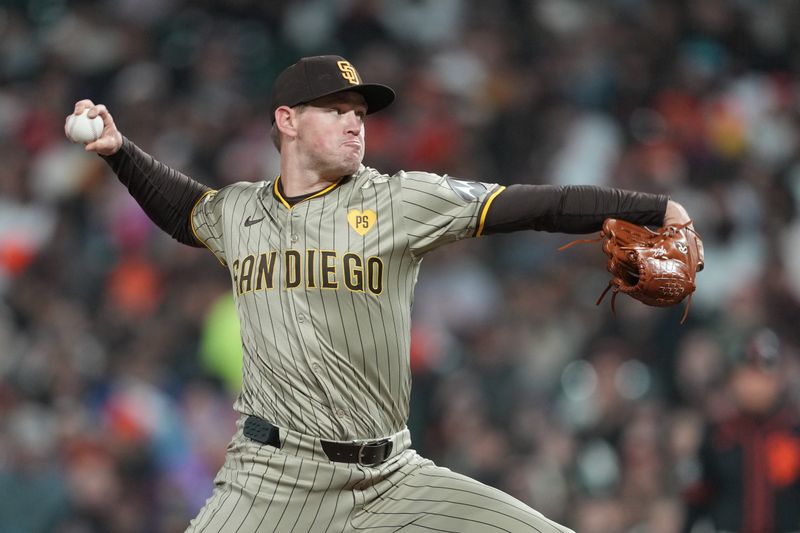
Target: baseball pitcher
(323, 260)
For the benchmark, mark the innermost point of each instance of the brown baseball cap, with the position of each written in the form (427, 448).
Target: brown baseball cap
(314, 77)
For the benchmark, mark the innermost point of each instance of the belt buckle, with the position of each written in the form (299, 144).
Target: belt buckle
(374, 444)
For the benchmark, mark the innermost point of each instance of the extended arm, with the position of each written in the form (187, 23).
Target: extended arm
(165, 195)
(575, 208)
(581, 209)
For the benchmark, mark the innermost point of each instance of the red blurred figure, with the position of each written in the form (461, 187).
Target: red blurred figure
(749, 476)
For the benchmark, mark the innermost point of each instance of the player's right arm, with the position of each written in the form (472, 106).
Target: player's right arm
(166, 195)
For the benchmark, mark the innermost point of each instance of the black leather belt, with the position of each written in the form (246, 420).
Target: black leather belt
(366, 454)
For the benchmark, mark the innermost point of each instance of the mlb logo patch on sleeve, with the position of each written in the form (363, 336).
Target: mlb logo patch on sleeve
(467, 190)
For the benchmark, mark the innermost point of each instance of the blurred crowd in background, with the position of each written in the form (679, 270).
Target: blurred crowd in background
(119, 347)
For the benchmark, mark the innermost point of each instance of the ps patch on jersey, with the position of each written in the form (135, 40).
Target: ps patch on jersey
(467, 190)
(362, 221)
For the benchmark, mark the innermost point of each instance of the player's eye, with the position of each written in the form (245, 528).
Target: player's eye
(360, 113)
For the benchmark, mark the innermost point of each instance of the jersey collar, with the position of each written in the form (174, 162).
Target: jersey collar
(276, 191)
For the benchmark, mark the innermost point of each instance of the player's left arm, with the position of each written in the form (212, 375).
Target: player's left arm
(579, 209)
(575, 209)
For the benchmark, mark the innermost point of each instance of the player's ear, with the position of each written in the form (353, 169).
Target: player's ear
(286, 120)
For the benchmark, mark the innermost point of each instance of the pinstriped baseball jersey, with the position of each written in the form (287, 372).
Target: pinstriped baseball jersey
(324, 291)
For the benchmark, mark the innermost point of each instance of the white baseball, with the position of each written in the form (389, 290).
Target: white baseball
(82, 129)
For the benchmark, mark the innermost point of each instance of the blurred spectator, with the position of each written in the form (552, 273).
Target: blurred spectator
(749, 459)
(35, 496)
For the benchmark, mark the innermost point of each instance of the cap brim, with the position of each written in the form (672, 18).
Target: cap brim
(376, 95)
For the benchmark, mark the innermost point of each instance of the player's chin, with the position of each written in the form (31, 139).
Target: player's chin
(351, 163)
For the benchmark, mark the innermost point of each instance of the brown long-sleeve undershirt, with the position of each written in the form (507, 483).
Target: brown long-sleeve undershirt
(168, 197)
(570, 209)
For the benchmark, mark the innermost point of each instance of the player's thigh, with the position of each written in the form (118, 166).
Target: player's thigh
(278, 493)
(432, 498)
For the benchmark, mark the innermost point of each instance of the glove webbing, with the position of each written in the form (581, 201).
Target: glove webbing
(669, 231)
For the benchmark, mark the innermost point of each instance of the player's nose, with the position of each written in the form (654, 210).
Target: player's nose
(353, 122)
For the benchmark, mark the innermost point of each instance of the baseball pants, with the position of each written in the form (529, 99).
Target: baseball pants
(297, 489)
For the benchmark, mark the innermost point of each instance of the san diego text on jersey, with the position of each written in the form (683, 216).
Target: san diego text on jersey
(323, 269)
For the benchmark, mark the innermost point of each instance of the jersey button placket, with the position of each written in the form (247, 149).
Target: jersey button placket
(292, 220)
(302, 316)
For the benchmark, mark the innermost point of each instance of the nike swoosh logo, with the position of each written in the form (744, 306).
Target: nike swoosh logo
(249, 221)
